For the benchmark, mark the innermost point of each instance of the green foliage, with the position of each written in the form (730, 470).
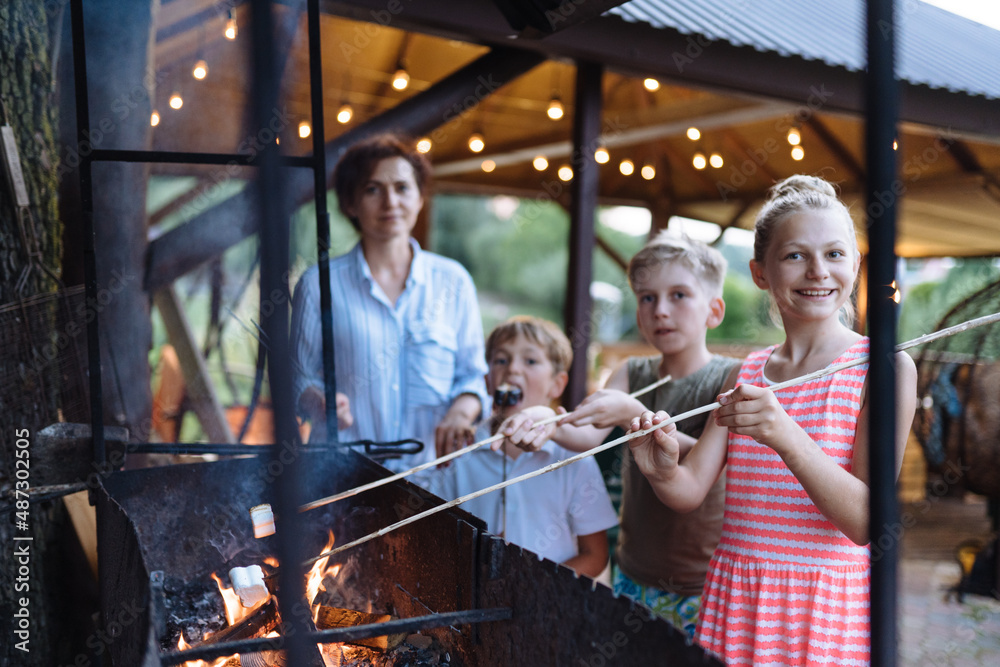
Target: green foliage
(746, 312)
(927, 303)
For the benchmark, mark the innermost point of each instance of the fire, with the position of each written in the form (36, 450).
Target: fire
(218, 662)
(314, 580)
(235, 612)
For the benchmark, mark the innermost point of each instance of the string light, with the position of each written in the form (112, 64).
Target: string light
(176, 101)
(626, 167)
(476, 143)
(345, 113)
(648, 171)
(401, 79)
(424, 145)
(200, 70)
(304, 129)
(154, 118)
(715, 160)
(231, 29)
(540, 163)
(895, 292)
(798, 153)
(651, 84)
(699, 161)
(601, 155)
(794, 136)
(488, 165)
(693, 133)
(895, 145)
(555, 110)
(565, 173)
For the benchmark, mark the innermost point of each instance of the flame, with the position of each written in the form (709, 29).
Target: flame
(271, 560)
(314, 580)
(235, 612)
(218, 662)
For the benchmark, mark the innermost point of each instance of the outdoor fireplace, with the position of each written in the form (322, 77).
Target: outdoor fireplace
(481, 600)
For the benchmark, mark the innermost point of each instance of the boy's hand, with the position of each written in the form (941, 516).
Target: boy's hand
(457, 429)
(522, 432)
(756, 413)
(605, 408)
(658, 453)
(344, 417)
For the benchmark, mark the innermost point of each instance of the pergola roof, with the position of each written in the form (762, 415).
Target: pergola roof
(771, 64)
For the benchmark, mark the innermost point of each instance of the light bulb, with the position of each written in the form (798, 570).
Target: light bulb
(423, 145)
(651, 84)
(344, 114)
(715, 160)
(699, 161)
(176, 101)
(555, 110)
(565, 173)
(154, 118)
(648, 172)
(200, 70)
(798, 153)
(601, 155)
(401, 79)
(488, 165)
(304, 129)
(476, 143)
(694, 134)
(794, 136)
(895, 145)
(540, 163)
(626, 167)
(230, 31)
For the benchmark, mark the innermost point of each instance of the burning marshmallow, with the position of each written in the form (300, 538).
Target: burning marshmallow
(263, 520)
(248, 582)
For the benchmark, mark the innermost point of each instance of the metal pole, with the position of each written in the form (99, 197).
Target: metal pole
(583, 207)
(322, 219)
(270, 193)
(882, 102)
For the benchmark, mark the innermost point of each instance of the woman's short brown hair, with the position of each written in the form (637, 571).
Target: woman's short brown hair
(359, 161)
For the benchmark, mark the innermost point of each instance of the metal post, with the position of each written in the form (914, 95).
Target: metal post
(880, 131)
(583, 207)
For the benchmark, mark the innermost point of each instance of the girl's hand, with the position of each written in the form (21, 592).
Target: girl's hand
(658, 453)
(756, 413)
(604, 409)
(522, 432)
(344, 417)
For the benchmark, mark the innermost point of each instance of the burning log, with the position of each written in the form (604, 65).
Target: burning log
(257, 624)
(335, 617)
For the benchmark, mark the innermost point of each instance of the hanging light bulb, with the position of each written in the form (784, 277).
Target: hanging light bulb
(798, 153)
(626, 167)
(555, 110)
(345, 113)
(401, 79)
(200, 70)
(154, 118)
(651, 84)
(693, 133)
(895, 292)
(648, 171)
(895, 145)
(488, 165)
(699, 161)
(230, 31)
(565, 173)
(304, 129)
(794, 136)
(476, 143)
(715, 160)
(601, 155)
(176, 101)
(540, 163)
(423, 145)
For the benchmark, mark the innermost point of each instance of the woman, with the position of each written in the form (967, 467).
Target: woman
(408, 335)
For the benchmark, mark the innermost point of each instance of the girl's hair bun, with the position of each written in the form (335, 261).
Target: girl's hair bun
(801, 184)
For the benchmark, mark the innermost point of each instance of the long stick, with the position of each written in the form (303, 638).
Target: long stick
(447, 457)
(950, 331)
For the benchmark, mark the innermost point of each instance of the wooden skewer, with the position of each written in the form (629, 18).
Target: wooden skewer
(950, 331)
(447, 457)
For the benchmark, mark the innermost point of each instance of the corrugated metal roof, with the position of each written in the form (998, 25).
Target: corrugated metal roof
(934, 47)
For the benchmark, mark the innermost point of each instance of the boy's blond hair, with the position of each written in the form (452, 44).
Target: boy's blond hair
(705, 262)
(541, 332)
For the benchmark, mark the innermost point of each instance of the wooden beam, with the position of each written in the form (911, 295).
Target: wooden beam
(835, 146)
(222, 226)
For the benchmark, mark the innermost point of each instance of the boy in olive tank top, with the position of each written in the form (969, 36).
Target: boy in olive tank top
(661, 556)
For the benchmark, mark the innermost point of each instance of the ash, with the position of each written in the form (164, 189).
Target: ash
(194, 609)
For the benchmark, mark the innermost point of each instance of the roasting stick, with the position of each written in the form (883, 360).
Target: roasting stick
(950, 331)
(447, 457)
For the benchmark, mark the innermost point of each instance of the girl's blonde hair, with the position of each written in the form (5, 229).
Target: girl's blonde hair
(793, 195)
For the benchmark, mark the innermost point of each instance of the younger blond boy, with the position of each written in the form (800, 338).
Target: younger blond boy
(562, 515)
(662, 556)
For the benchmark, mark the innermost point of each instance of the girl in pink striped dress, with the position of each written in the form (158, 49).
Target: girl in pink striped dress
(789, 581)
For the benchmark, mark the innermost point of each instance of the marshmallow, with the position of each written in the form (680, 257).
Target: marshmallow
(263, 520)
(248, 582)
